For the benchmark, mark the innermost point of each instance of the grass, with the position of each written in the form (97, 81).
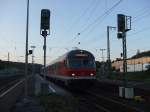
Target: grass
(137, 76)
(57, 103)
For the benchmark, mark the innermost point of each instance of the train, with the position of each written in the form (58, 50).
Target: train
(75, 69)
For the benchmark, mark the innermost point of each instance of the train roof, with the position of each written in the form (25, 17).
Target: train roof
(79, 51)
(68, 54)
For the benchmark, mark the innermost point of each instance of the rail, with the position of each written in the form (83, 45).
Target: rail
(111, 105)
(9, 97)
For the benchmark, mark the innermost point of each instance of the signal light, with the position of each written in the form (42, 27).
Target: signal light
(121, 22)
(119, 35)
(121, 54)
(45, 19)
(30, 52)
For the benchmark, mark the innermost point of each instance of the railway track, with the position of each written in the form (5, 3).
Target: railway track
(111, 105)
(11, 92)
(140, 89)
(105, 99)
(8, 85)
(91, 102)
(7, 82)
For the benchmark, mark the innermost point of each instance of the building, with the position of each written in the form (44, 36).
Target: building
(133, 64)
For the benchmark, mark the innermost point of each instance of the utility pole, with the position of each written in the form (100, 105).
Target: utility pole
(8, 57)
(8, 60)
(102, 54)
(32, 91)
(26, 55)
(108, 49)
(102, 64)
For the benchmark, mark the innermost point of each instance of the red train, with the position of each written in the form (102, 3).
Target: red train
(75, 69)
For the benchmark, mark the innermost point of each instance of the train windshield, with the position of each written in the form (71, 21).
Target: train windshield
(81, 63)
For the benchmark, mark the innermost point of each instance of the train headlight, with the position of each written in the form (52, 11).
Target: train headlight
(73, 74)
(91, 74)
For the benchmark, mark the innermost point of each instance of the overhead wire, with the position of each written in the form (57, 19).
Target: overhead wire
(143, 11)
(93, 9)
(106, 13)
(94, 38)
(90, 9)
(141, 17)
(140, 31)
(76, 22)
(96, 21)
(144, 29)
(103, 16)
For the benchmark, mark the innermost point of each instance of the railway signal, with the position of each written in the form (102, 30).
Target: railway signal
(44, 31)
(45, 28)
(121, 23)
(45, 19)
(30, 52)
(123, 27)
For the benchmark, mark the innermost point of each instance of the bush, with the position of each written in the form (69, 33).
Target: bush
(56, 103)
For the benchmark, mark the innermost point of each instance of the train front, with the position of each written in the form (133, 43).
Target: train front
(81, 68)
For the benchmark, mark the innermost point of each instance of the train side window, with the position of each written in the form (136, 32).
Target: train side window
(57, 66)
(66, 63)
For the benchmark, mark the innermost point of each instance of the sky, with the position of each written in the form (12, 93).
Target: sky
(73, 23)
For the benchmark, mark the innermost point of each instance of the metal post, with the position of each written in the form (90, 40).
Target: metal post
(108, 50)
(134, 65)
(8, 57)
(26, 55)
(32, 62)
(44, 31)
(44, 47)
(102, 62)
(32, 59)
(102, 54)
(108, 53)
(122, 29)
(44, 34)
(108, 44)
(8, 60)
(124, 58)
(32, 85)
